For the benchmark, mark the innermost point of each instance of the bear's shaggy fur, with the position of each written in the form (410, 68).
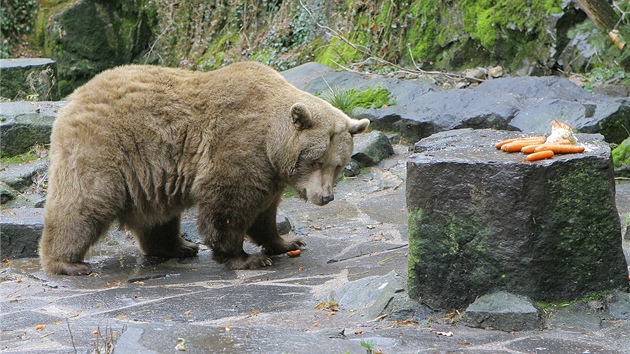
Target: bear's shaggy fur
(143, 143)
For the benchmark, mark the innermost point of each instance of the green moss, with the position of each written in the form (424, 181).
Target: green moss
(580, 213)
(29, 156)
(621, 154)
(459, 242)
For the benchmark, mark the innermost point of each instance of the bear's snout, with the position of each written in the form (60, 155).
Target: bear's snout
(327, 199)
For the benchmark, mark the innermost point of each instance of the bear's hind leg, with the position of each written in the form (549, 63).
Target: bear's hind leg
(68, 235)
(264, 232)
(165, 240)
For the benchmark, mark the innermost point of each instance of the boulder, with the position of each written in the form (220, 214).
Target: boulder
(24, 124)
(545, 98)
(503, 311)
(34, 79)
(483, 220)
(87, 37)
(371, 148)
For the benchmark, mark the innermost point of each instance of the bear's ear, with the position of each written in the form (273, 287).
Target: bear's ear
(356, 126)
(301, 116)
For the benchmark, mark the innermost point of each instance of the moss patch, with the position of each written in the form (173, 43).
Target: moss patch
(451, 257)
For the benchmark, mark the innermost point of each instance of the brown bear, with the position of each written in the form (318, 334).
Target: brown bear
(143, 143)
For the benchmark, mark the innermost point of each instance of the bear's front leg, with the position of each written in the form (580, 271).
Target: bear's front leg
(264, 232)
(225, 235)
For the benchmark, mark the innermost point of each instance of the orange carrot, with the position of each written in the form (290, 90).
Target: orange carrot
(517, 145)
(536, 138)
(294, 253)
(529, 148)
(561, 148)
(541, 155)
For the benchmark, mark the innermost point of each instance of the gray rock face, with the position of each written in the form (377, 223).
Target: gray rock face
(521, 103)
(24, 124)
(503, 311)
(28, 77)
(482, 220)
(544, 98)
(20, 231)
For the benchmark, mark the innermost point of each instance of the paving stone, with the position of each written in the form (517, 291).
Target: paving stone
(369, 296)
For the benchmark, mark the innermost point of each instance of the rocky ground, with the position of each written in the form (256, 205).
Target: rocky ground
(344, 294)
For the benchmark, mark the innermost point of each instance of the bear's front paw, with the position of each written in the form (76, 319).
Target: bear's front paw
(285, 246)
(252, 261)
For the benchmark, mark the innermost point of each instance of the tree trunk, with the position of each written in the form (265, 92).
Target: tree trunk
(600, 12)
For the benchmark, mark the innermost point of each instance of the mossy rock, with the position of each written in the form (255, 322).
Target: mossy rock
(86, 37)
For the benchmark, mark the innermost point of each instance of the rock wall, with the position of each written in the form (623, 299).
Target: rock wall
(525, 37)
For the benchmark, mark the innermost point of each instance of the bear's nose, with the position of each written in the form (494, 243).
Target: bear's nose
(327, 199)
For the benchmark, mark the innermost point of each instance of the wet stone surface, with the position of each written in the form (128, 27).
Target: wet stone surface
(358, 243)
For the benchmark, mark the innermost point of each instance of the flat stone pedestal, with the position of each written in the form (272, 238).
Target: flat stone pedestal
(483, 220)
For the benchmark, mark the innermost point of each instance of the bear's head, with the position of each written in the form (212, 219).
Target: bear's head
(314, 147)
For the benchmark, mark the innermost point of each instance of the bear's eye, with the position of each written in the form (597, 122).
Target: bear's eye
(316, 165)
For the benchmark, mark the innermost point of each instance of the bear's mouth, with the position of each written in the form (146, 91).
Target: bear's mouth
(302, 194)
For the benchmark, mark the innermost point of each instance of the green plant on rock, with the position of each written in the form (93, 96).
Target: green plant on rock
(347, 100)
(621, 154)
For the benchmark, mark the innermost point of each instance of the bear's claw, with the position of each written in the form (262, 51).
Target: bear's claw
(252, 261)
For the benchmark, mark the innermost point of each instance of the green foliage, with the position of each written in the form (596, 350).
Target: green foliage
(369, 346)
(347, 100)
(288, 193)
(601, 75)
(17, 18)
(621, 154)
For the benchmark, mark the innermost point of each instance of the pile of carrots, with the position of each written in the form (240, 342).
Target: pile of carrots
(536, 148)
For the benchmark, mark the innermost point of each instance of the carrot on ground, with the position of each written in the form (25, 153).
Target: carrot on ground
(561, 148)
(536, 138)
(294, 253)
(541, 155)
